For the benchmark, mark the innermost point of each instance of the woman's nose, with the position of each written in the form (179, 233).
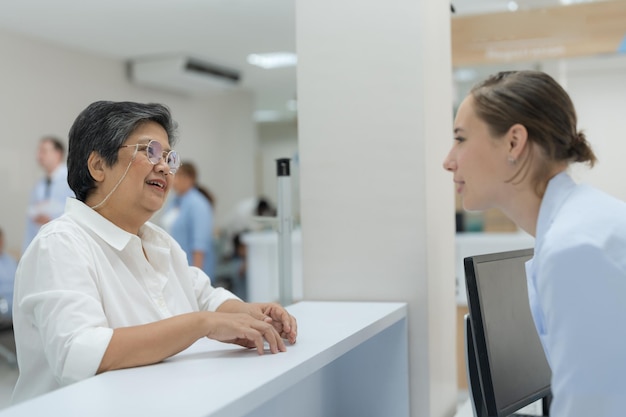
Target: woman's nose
(162, 166)
(449, 164)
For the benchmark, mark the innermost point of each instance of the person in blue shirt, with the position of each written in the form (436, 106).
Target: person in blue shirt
(8, 266)
(188, 218)
(47, 198)
(515, 136)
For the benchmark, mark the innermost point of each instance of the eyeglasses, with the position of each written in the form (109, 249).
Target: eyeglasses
(154, 152)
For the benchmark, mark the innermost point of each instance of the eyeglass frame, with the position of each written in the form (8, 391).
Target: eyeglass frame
(163, 157)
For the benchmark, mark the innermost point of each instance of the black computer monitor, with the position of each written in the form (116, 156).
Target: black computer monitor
(506, 364)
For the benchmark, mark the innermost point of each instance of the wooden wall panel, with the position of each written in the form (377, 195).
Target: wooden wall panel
(556, 32)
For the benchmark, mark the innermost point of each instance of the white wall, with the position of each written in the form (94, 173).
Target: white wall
(44, 87)
(374, 125)
(598, 90)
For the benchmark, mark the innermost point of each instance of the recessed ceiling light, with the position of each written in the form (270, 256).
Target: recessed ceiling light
(273, 60)
(513, 6)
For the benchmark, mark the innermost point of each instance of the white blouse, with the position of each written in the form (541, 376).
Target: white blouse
(81, 278)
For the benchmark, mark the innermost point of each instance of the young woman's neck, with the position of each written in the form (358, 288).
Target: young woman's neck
(523, 207)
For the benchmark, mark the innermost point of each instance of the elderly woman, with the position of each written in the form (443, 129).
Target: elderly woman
(101, 288)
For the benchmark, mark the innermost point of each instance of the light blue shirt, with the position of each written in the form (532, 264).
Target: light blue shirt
(48, 200)
(577, 291)
(192, 227)
(8, 265)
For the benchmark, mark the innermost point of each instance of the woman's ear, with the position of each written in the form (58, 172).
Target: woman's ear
(96, 166)
(517, 138)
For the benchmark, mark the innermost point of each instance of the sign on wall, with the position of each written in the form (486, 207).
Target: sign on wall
(556, 32)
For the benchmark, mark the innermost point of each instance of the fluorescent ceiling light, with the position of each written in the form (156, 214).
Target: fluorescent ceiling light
(273, 60)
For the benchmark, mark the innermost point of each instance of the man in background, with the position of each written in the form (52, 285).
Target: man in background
(47, 199)
(8, 266)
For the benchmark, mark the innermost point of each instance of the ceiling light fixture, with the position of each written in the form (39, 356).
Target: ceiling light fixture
(273, 60)
(513, 6)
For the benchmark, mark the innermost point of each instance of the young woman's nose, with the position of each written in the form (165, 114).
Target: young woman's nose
(449, 164)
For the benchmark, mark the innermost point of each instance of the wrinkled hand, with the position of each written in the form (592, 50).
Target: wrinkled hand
(283, 322)
(245, 330)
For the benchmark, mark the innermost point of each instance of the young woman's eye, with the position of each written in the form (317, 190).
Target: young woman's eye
(459, 139)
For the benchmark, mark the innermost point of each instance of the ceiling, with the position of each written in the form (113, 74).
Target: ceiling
(222, 32)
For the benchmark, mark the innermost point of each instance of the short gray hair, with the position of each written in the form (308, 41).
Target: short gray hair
(103, 127)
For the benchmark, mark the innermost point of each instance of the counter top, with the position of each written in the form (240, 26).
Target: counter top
(215, 379)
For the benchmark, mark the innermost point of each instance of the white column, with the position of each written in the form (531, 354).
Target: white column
(375, 123)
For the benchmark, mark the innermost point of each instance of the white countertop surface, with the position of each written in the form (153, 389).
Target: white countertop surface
(216, 379)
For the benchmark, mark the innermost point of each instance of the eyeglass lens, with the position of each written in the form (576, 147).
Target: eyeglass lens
(154, 150)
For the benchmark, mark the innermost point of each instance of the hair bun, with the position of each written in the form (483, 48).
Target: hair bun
(580, 150)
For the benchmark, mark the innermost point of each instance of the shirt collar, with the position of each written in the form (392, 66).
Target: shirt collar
(559, 187)
(112, 234)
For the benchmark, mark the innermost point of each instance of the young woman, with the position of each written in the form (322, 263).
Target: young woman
(101, 288)
(514, 138)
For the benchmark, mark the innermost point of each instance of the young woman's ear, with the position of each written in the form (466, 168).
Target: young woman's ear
(517, 138)
(96, 166)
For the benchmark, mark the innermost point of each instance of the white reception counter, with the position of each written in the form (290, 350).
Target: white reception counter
(351, 358)
(263, 283)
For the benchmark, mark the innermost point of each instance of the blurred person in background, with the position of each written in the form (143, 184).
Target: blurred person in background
(188, 218)
(249, 215)
(8, 265)
(47, 198)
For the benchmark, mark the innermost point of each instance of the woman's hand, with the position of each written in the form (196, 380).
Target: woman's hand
(283, 322)
(244, 330)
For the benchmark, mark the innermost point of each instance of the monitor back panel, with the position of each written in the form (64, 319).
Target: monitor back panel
(512, 364)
